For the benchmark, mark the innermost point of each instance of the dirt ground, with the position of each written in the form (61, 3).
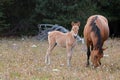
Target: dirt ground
(23, 59)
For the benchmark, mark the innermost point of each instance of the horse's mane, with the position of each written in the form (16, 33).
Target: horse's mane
(96, 30)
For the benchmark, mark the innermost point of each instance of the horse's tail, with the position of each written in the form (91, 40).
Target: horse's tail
(93, 20)
(93, 25)
(96, 30)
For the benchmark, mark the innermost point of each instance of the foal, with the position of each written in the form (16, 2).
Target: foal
(65, 40)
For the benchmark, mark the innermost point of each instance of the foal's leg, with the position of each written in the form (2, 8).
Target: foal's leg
(49, 50)
(69, 55)
(88, 55)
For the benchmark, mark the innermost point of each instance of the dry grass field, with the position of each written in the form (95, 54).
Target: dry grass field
(23, 59)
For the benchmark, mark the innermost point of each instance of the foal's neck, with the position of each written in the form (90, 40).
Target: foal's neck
(72, 34)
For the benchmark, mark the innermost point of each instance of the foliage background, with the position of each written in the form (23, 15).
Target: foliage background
(21, 17)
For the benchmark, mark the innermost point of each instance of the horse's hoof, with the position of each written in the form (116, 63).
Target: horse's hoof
(87, 65)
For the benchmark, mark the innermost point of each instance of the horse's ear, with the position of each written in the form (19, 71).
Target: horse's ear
(104, 48)
(72, 23)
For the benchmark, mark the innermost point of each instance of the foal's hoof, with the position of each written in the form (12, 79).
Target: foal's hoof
(47, 63)
(68, 65)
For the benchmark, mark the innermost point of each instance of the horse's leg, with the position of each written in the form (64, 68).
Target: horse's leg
(102, 54)
(88, 55)
(69, 55)
(91, 47)
(49, 50)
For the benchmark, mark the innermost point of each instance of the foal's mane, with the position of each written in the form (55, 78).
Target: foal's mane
(97, 33)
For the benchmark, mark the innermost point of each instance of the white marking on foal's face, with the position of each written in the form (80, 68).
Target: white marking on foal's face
(75, 35)
(75, 30)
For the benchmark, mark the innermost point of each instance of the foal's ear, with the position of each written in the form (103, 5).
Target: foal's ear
(72, 23)
(75, 23)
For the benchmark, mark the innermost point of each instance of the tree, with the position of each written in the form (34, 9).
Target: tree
(3, 22)
(63, 11)
(109, 8)
(20, 17)
(17, 13)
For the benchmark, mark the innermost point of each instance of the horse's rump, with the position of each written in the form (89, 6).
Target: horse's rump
(101, 23)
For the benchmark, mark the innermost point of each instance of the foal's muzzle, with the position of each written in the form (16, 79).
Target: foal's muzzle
(75, 36)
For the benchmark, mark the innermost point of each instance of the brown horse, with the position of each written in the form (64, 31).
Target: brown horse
(96, 31)
(66, 40)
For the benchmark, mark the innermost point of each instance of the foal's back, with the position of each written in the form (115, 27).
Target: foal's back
(57, 37)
